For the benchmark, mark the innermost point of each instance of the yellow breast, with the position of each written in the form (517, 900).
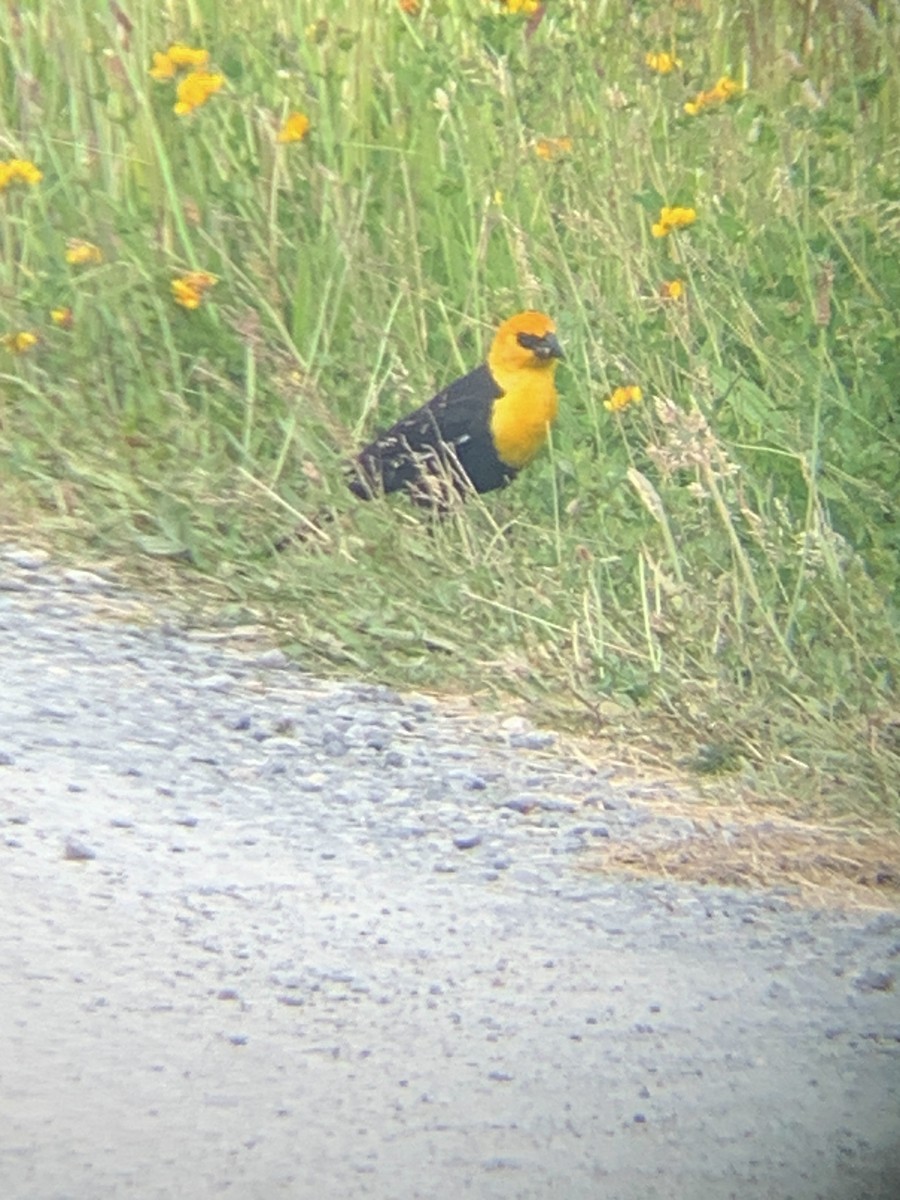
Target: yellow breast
(522, 417)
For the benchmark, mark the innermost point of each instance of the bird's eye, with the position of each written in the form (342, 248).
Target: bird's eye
(530, 341)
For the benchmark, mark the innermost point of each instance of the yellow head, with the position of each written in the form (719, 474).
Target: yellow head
(525, 342)
(523, 361)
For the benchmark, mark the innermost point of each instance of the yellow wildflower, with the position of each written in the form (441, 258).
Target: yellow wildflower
(195, 89)
(412, 8)
(163, 67)
(178, 56)
(723, 89)
(673, 218)
(623, 397)
(295, 128)
(187, 56)
(19, 170)
(62, 317)
(550, 148)
(188, 289)
(671, 289)
(79, 252)
(20, 342)
(662, 62)
(529, 7)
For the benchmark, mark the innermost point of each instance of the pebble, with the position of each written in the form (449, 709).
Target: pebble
(26, 560)
(273, 659)
(335, 746)
(872, 980)
(532, 741)
(554, 804)
(78, 851)
(86, 581)
(521, 804)
(467, 841)
(221, 682)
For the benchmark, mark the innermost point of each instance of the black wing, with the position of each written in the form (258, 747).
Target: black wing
(448, 437)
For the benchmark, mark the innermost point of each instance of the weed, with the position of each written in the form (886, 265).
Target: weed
(251, 272)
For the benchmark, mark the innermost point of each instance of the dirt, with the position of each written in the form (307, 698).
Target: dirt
(266, 935)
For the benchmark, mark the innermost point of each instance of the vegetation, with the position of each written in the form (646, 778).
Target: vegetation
(348, 198)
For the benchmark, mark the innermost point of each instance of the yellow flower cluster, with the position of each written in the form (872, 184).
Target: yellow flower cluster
(62, 317)
(723, 89)
(188, 290)
(677, 216)
(79, 252)
(167, 64)
(194, 88)
(20, 342)
(19, 170)
(551, 148)
(295, 128)
(529, 7)
(673, 218)
(623, 397)
(671, 289)
(662, 62)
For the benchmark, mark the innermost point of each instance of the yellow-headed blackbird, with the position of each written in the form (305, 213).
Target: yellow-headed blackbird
(479, 431)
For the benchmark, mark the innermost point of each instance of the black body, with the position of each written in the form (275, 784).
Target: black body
(446, 441)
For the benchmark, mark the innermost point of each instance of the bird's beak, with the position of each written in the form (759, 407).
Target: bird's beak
(550, 347)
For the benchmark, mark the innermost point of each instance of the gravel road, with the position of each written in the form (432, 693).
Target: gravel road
(268, 936)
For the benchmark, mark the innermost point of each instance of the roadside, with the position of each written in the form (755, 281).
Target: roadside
(270, 935)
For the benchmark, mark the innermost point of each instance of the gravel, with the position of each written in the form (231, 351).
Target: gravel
(272, 935)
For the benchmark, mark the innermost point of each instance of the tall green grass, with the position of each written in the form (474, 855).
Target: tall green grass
(707, 577)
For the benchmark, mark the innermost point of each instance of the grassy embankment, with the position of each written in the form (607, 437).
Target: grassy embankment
(706, 576)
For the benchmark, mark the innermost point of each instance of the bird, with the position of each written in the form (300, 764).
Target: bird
(478, 432)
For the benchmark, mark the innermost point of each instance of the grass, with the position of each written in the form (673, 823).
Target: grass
(707, 577)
